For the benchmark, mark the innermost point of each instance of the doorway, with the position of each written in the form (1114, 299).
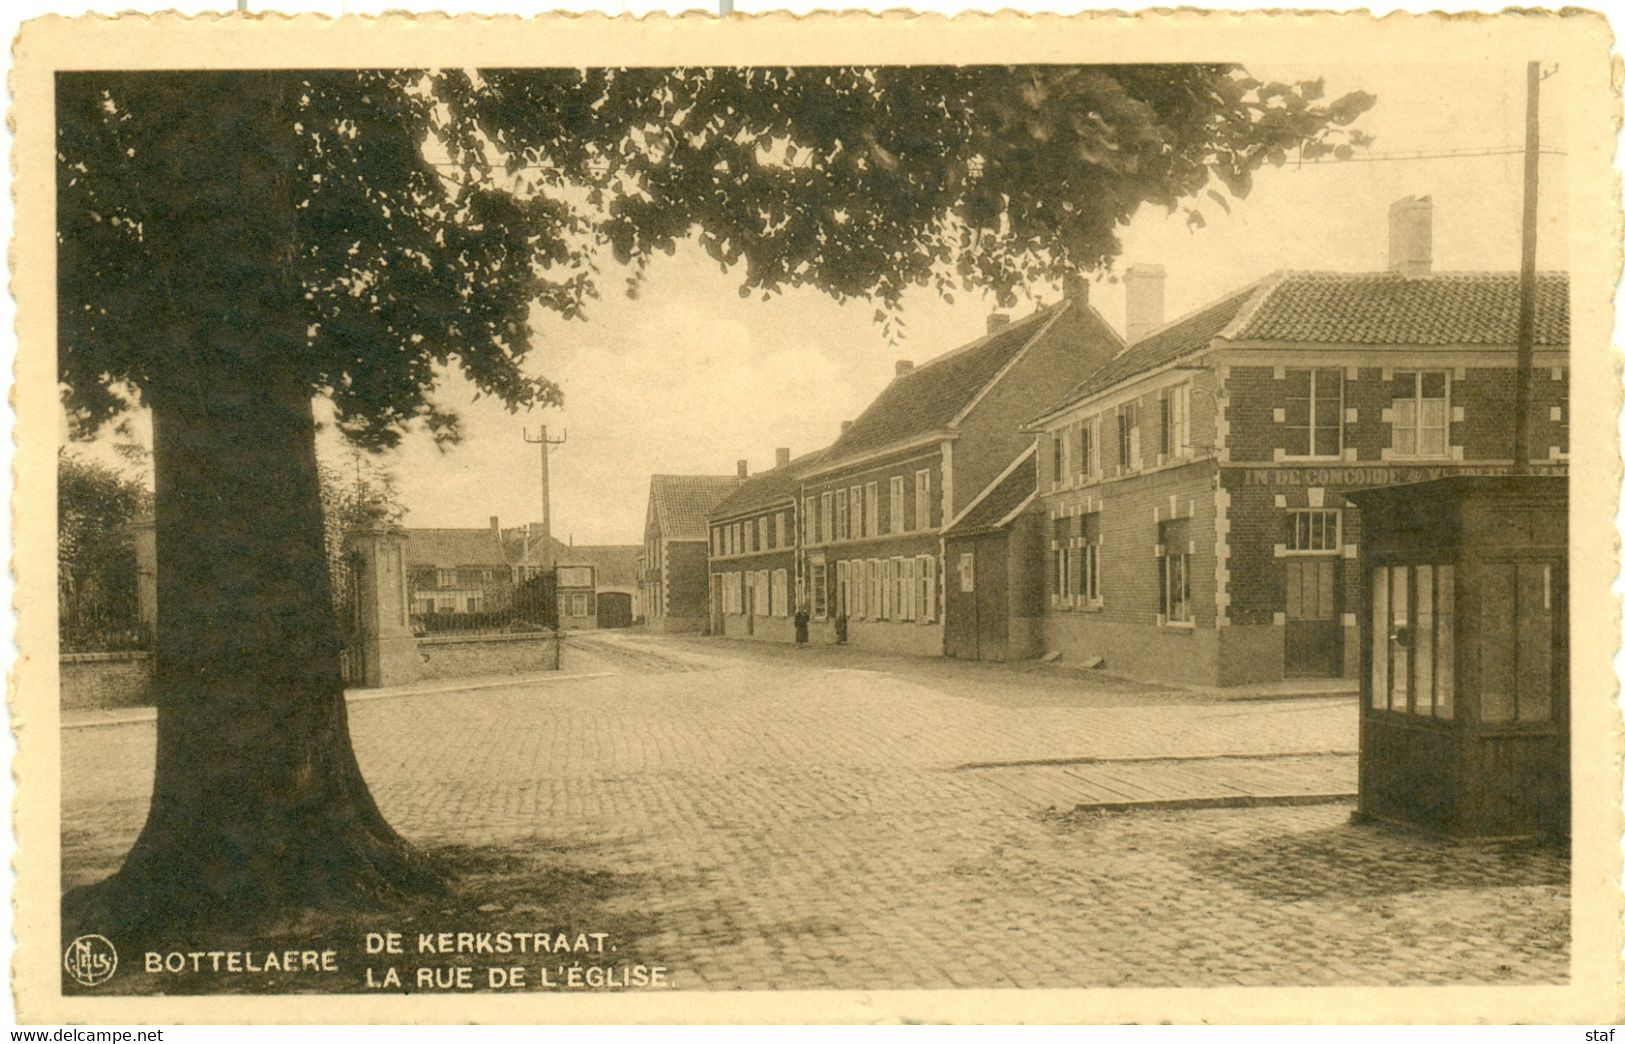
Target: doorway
(1314, 629)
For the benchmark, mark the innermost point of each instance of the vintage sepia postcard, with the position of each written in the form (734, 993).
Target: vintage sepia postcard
(847, 519)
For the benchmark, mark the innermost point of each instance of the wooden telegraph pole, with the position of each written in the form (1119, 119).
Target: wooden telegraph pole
(547, 508)
(1526, 276)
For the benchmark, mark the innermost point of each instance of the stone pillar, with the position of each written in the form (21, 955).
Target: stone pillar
(144, 533)
(383, 647)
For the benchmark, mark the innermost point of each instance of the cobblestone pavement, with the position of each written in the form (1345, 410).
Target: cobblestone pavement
(791, 820)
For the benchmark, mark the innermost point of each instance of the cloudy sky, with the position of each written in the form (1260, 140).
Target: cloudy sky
(689, 378)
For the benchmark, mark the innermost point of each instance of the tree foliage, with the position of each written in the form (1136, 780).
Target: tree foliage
(407, 221)
(95, 553)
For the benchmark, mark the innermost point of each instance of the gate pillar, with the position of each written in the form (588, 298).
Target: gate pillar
(144, 534)
(383, 646)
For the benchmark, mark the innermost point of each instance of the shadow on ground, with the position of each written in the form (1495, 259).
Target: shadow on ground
(535, 886)
(1369, 860)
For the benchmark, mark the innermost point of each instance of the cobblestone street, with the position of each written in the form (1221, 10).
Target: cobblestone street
(774, 818)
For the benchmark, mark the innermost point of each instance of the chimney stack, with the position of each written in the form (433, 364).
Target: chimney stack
(997, 321)
(846, 426)
(1143, 286)
(1410, 236)
(781, 457)
(496, 530)
(904, 367)
(744, 469)
(1074, 288)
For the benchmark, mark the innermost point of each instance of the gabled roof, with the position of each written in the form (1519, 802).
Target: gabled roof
(682, 503)
(932, 395)
(1005, 495)
(450, 548)
(1387, 308)
(774, 486)
(523, 551)
(613, 563)
(1375, 309)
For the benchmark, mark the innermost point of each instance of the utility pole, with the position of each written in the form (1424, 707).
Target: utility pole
(547, 509)
(1526, 276)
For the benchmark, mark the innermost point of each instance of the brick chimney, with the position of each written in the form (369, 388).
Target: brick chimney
(997, 321)
(905, 367)
(1410, 236)
(744, 469)
(781, 456)
(1075, 288)
(1143, 287)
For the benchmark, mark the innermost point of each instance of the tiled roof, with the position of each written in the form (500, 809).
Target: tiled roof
(774, 486)
(1380, 309)
(682, 503)
(1007, 494)
(614, 563)
(1182, 337)
(449, 548)
(933, 394)
(529, 552)
(1386, 308)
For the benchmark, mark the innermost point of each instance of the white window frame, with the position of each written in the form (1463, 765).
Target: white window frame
(898, 506)
(1415, 428)
(922, 499)
(1335, 545)
(1314, 412)
(826, 517)
(843, 515)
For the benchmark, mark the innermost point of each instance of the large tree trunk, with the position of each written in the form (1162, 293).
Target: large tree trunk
(258, 803)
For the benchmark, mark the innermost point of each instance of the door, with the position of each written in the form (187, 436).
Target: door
(1314, 629)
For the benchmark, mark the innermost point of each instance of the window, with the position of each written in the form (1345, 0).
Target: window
(925, 579)
(872, 598)
(781, 591)
(903, 580)
(1128, 437)
(1175, 578)
(922, 499)
(887, 606)
(826, 518)
(1061, 558)
(1314, 413)
(895, 522)
(842, 518)
(1086, 448)
(781, 529)
(859, 590)
(967, 571)
(575, 576)
(474, 603)
(578, 605)
(1057, 449)
(808, 536)
(445, 578)
(820, 597)
(716, 542)
(1421, 415)
(1088, 567)
(1413, 641)
(855, 525)
(1176, 422)
(1314, 531)
(843, 589)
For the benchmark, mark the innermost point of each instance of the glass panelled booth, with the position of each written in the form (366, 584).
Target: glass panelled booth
(1464, 634)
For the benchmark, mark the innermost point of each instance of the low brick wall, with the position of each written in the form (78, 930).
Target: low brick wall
(104, 681)
(463, 656)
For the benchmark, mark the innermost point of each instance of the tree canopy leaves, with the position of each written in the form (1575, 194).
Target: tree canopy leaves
(359, 230)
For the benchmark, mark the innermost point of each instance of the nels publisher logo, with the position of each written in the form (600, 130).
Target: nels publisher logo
(90, 960)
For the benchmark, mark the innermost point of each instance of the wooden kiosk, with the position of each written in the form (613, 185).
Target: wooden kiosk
(1464, 686)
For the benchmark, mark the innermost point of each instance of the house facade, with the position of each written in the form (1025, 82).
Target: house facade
(456, 570)
(993, 559)
(674, 580)
(874, 506)
(598, 585)
(1193, 490)
(754, 553)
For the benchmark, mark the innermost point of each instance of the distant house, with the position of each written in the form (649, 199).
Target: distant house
(675, 585)
(874, 506)
(598, 585)
(754, 569)
(457, 570)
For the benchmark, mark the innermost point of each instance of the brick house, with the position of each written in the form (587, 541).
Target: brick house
(672, 567)
(1193, 489)
(753, 553)
(873, 508)
(598, 585)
